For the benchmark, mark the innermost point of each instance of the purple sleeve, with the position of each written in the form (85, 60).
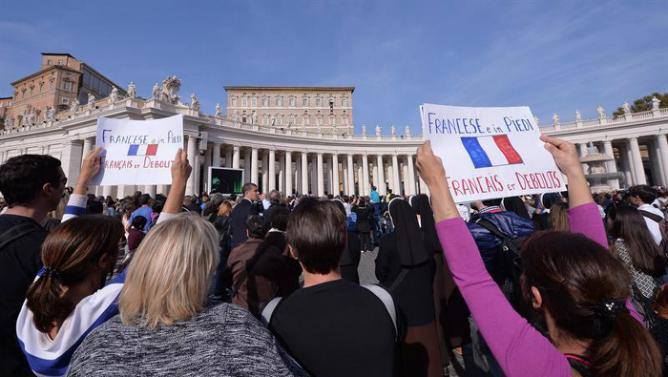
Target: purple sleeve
(519, 348)
(586, 219)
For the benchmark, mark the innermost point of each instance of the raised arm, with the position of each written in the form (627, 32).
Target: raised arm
(181, 170)
(76, 205)
(583, 214)
(520, 350)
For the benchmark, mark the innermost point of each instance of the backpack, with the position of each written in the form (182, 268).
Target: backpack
(663, 227)
(383, 295)
(508, 265)
(15, 232)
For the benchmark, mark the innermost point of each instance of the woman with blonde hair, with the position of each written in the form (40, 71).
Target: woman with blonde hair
(166, 326)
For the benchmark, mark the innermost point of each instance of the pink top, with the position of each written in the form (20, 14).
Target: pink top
(519, 348)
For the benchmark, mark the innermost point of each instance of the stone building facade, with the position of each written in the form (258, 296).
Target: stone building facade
(318, 109)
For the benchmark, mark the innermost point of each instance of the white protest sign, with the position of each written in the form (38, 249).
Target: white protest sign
(138, 152)
(490, 152)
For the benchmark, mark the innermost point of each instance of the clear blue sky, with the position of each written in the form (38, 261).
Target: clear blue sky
(553, 56)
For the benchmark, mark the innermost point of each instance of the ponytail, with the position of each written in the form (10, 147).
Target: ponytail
(45, 301)
(627, 350)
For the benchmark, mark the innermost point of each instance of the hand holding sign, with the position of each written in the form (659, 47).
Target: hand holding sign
(564, 153)
(89, 169)
(180, 170)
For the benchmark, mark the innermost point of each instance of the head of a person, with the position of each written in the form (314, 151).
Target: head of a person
(170, 273)
(94, 207)
(275, 197)
(515, 204)
(81, 251)
(144, 199)
(492, 202)
(225, 208)
(249, 191)
(278, 219)
(627, 223)
(213, 204)
(204, 198)
(361, 201)
(373, 188)
(549, 199)
(558, 217)
(579, 290)
(316, 235)
(30, 180)
(642, 194)
(139, 222)
(255, 227)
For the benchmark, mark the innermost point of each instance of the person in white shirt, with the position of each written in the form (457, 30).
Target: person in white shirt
(641, 196)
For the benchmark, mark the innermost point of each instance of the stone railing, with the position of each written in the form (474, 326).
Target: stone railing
(641, 115)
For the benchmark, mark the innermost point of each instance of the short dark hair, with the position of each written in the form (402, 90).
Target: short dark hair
(256, 227)
(492, 202)
(317, 232)
(247, 187)
(22, 177)
(139, 222)
(144, 199)
(644, 192)
(94, 207)
(278, 217)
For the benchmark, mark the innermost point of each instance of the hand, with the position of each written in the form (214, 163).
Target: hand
(90, 166)
(565, 155)
(181, 168)
(429, 166)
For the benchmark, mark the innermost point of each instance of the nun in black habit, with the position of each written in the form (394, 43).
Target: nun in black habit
(405, 266)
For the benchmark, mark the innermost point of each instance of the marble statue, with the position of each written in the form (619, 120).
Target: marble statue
(407, 131)
(113, 96)
(378, 131)
(219, 111)
(50, 114)
(601, 112)
(75, 105)
(194, 103)
(627, 108)
(393, 131)
(156, 93)
(170, 90)
(578, 116)
(555, 119)
(91, 100)
(655, 104)
(363, 130)
(132, 90)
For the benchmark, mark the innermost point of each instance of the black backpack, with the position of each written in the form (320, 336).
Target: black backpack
(508, 265)
(663, 227)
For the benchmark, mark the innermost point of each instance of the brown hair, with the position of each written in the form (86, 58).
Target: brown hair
(628, 224)
(317, 231)
(558, 218)
(577, 277)
(224, 208)
(69, 254)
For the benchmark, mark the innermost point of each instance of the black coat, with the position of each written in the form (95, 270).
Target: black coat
(363, 219)
(238, 219)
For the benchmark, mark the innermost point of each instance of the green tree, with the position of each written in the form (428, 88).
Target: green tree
(643, 104)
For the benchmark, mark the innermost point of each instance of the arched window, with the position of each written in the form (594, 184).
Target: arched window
(291, 120)
(292, 101)
(305, 101)
(244, 102)
(254, 101)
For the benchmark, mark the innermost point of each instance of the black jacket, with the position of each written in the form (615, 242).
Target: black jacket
(238, 219)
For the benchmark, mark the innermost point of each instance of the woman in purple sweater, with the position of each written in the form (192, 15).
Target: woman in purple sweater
(578, 290)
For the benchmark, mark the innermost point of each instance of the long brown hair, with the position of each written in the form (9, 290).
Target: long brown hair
(584, 288)
(628, 224)
(69, 253)
(558, 218)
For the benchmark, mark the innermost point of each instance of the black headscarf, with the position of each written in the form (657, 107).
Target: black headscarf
(410, 241)
(421, 205)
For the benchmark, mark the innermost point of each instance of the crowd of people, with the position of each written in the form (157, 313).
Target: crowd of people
(262, 284)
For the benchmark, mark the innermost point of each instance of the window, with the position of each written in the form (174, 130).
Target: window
(243, 119)
(48, 62)
(244, 102)
(292, 120)
(67, 86)
(254, 101)
(234, 101)
(265, 102)
(317, 101)
(266, 120)
(65, 100)
(60, 62)
(279, 101)
(292, 102)
(305, 101)
(344, 102)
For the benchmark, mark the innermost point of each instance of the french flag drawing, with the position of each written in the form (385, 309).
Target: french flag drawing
(488, 151)
(143, 149)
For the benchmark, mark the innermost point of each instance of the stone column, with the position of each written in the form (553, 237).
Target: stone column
(611, 166)
(351, 175)
(215, 161)
(272, 170)
(335, 174)
(345, 178)
(663, 155)
(381, 175)
(627, 164)
(107, 191)
(321, 175)
(637, 166)
(228, 158)
(150, 189)
(304, 173)
(247, 165)
(71, 161)
(396, 189)
(265, 172)
(360, 179)
(288, 173)
(410, 184)
(423, 187)
(365, 174)
(235, 157)
(87, 147)
(253, 166)
(192, 156)
(208, 157)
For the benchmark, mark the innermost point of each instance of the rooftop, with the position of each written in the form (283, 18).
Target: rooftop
(304, 88)
(58, 54)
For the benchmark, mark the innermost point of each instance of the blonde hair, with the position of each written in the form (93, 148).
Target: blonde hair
(169, 276)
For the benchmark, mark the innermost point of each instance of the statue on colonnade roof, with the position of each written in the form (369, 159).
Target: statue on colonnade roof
(170, 90)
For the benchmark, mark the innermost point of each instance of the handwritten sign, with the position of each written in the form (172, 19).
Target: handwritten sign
(138, 152)
(490, 152)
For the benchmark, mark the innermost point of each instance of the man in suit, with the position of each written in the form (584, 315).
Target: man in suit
(240, 214)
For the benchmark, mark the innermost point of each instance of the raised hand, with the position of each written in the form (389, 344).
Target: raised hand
(181, 170)
(89, 169)
(432, 172)
(564, 153)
